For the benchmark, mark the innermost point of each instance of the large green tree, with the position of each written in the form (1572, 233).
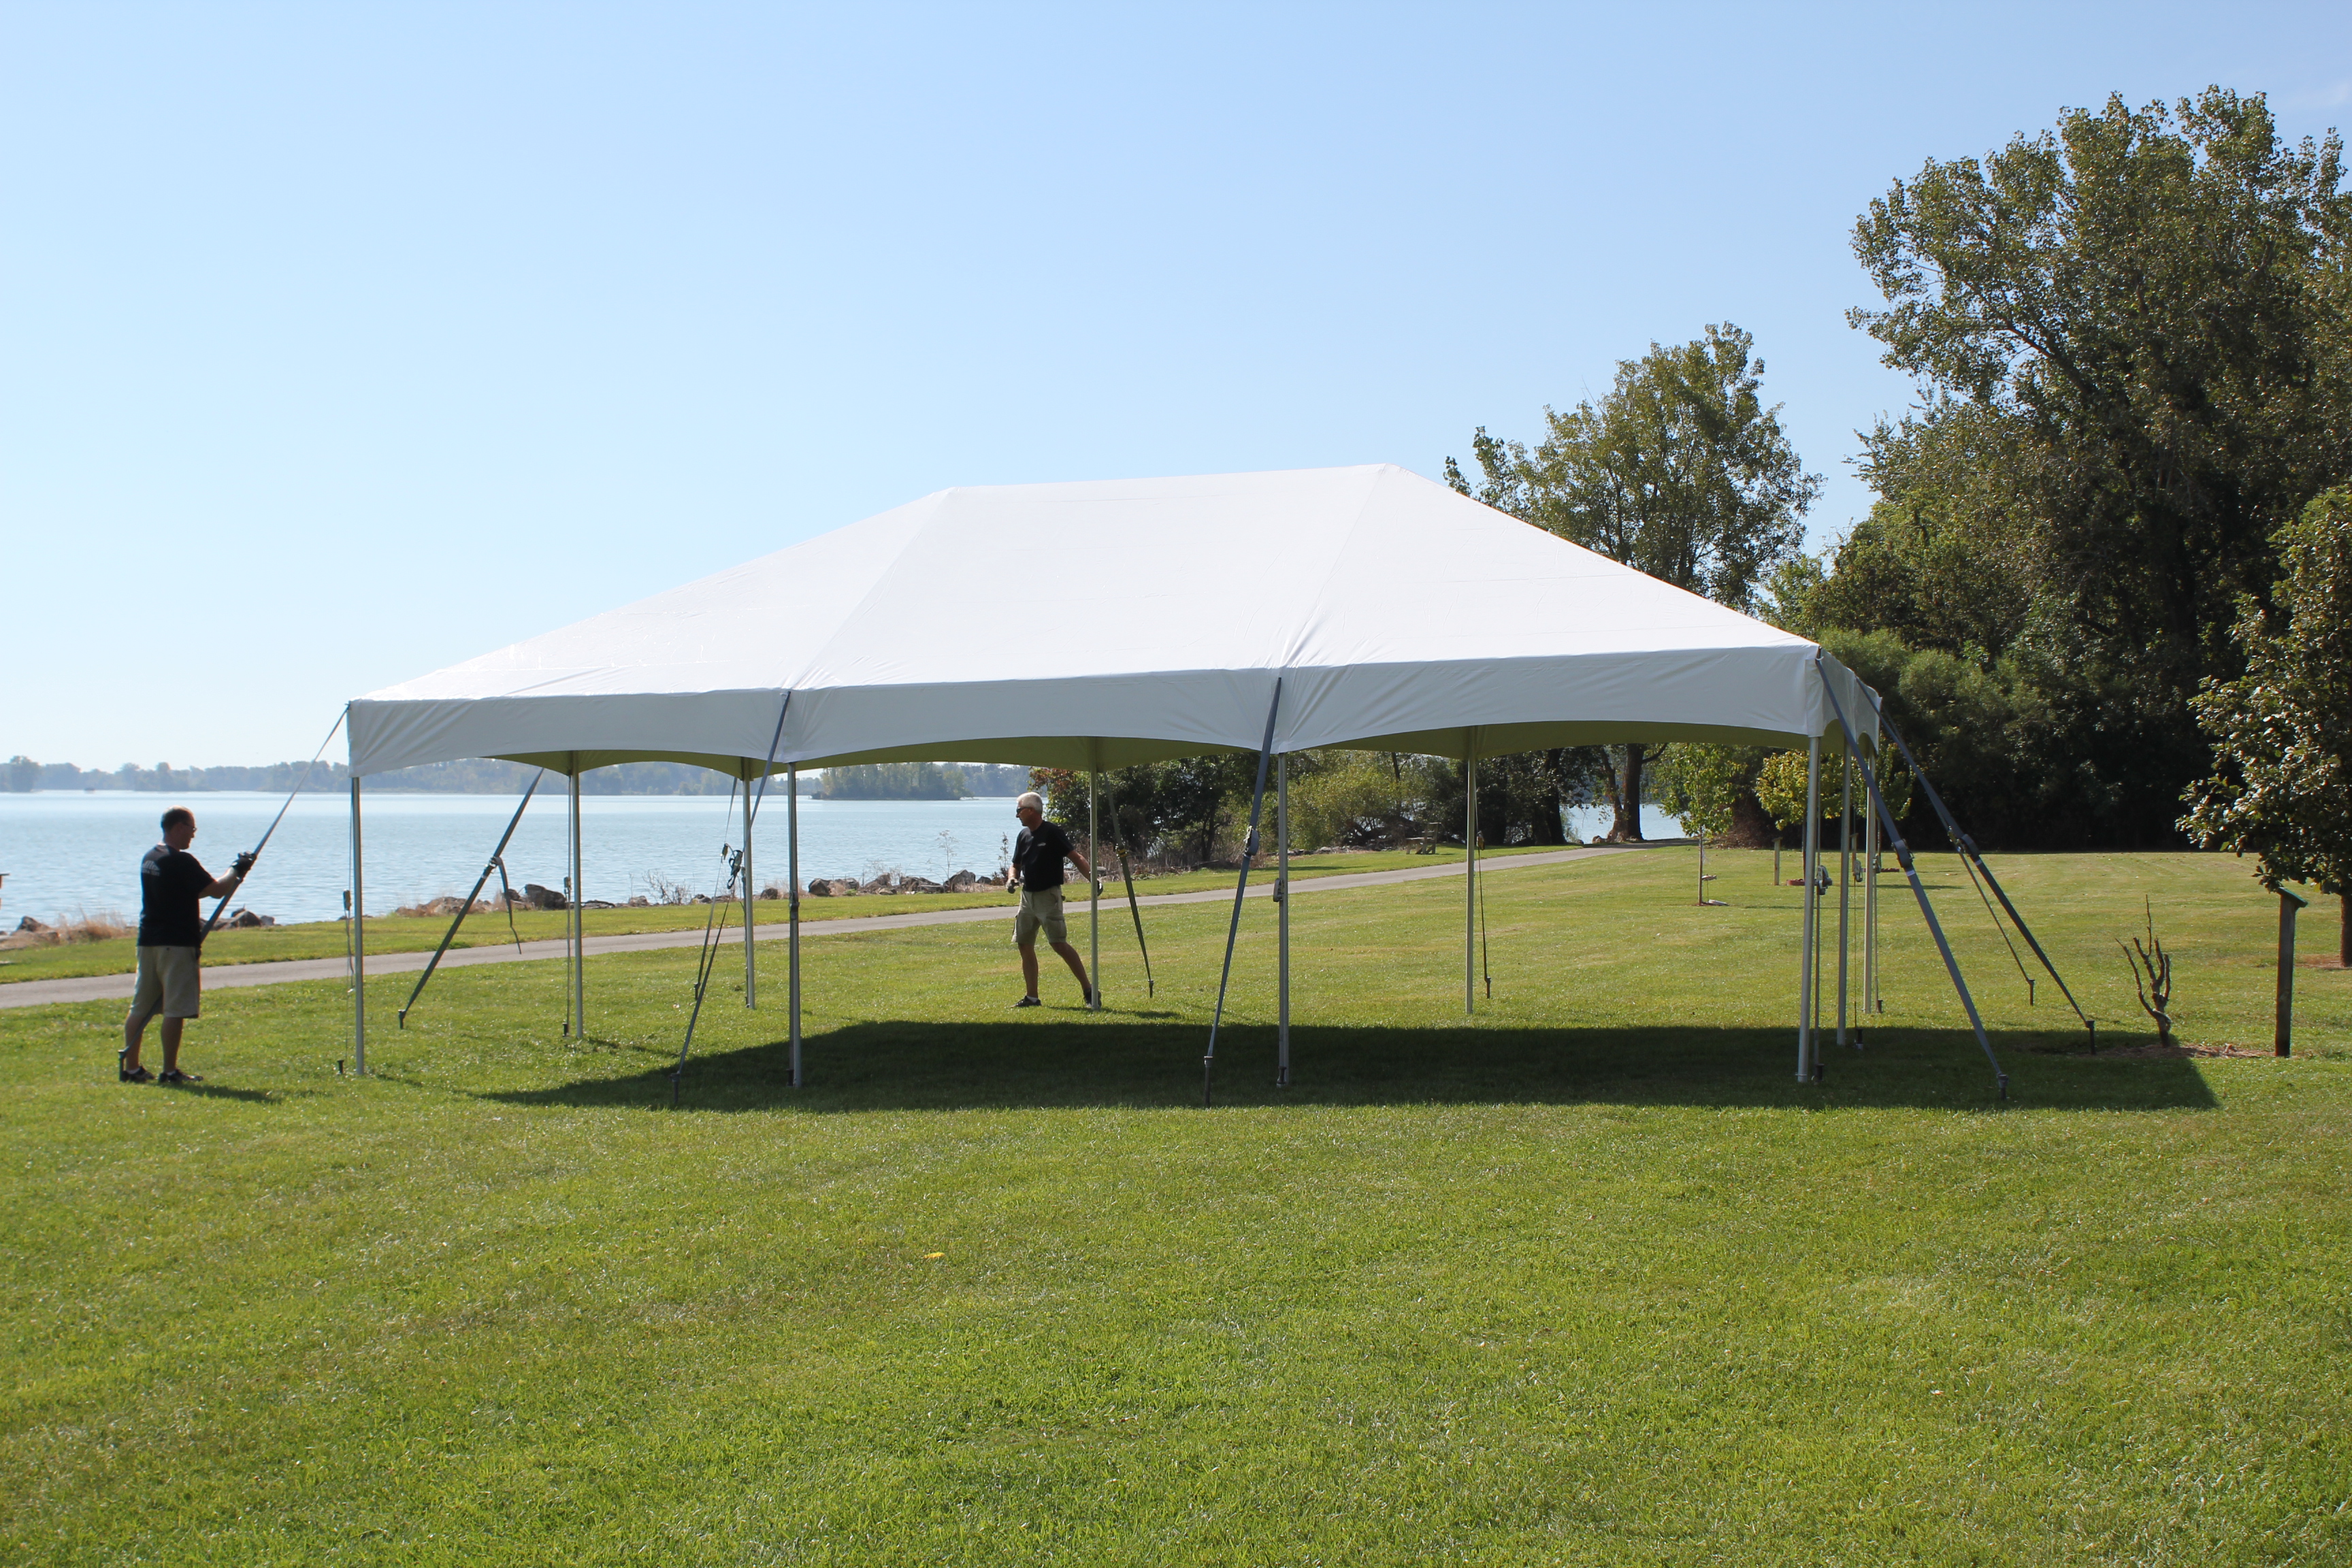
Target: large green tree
(2131, 334)
(2281, 732)
(1681, 471)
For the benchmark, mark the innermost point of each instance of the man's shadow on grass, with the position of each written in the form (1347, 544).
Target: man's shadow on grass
(1039, 1064)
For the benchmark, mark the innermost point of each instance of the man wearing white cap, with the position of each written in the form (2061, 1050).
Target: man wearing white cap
(1037, 856)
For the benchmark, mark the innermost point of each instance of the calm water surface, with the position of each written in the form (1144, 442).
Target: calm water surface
(67, 853)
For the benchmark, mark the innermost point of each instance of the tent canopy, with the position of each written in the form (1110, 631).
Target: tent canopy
(1104, 624)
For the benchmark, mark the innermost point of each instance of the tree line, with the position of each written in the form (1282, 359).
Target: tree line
(2105, 585)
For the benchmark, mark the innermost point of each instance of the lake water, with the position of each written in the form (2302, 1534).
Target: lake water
(66, 853)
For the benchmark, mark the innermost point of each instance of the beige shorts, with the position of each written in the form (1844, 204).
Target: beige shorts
(167, 984)
(1040, 910)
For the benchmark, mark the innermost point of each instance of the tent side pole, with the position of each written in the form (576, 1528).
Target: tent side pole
(358, 942)
(792, 907)
(750, 973)
(1282, 918)
(579, 924)
(1845, 882)
(1811, 861)
(1470, 886)
(1869, 1003)
(1094, 894)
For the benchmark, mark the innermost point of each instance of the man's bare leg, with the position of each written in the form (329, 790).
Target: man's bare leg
(1070, 956)
(1029, 968)
(135, 1030)
(172, 1027)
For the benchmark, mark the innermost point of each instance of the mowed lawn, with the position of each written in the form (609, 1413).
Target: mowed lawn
(1586, 1278)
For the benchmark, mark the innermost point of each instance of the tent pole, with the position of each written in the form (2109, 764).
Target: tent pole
(1282, 919)
(793, 905)
(1094, 893)
(1870, 905)
(750, 974)
(579, 926)
(1470, 885)
(1845, 882)
(1810, 862)
(358, 944)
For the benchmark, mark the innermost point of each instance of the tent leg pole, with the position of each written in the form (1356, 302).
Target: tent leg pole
(358, 942)
(1094, 895)
(1870, 1004)
(1809, 863)
(1845, 883)
(579, 924)
(751, 972)
(1282, 918)
(792, 907)
(1470, 887)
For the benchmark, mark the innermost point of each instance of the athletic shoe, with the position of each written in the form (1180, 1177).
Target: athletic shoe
(1087, 992)
(132, 1075)
(1028, 1002)
(173, 1075)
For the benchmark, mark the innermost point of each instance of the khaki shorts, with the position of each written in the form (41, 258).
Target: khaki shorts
(1041, 910)
(167, 984)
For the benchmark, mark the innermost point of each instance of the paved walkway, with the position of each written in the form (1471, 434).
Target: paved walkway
(109, 987)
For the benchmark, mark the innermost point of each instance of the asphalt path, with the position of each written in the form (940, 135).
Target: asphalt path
(111, 987)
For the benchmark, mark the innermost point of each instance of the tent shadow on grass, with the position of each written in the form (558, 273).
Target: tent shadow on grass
(1043, 1065)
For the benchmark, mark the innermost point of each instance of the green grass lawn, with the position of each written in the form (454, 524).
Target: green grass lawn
(403, 933)
(1585, 1278)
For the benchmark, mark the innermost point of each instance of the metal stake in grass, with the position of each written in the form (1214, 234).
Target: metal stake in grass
(1234, 930)
(496, 864)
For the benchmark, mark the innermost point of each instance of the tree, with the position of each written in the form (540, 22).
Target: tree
(24, 774)
(1681, 472)
(2281, 732)
(2132, 336)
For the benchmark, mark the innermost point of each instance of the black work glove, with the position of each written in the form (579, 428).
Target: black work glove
(244, 863)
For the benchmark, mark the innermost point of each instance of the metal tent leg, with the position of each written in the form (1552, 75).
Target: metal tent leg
(792, 907)
(750, 897)
(1846, 885)
(1871, 1006)
(1094, 895)
(1282, 919)
(1470, 887)
(1809, 864)
(359, 940)
(579, 924)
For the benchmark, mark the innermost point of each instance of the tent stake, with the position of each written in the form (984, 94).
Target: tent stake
(1241, 887)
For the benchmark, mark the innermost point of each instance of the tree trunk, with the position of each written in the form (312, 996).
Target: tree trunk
(2344, 930)
(1627, 799)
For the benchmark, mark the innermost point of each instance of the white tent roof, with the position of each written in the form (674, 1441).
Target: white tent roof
(1106, 624)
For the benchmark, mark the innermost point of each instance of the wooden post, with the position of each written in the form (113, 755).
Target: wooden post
(2282, 1042)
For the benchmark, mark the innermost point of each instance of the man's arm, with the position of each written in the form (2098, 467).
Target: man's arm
(222, 887)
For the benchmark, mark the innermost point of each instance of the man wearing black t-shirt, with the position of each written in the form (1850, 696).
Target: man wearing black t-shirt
(171, 929)
(1037, 856)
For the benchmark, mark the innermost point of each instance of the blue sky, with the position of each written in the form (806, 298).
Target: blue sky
(340, 343)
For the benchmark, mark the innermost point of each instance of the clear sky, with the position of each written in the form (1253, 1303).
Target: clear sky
(339, 342)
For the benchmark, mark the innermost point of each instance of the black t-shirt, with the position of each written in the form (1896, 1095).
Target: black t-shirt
(1037, 856)
(170, 882)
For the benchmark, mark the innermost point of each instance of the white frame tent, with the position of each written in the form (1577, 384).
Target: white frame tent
(1266, 613)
